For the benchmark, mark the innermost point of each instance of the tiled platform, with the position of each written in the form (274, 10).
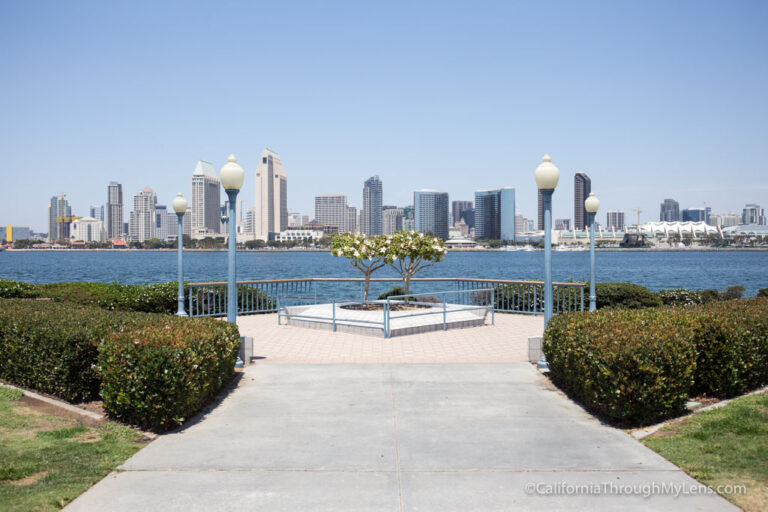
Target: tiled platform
(507, 341)
(370, 323)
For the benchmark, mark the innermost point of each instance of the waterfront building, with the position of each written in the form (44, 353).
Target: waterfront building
(296, 220)
(352, 226)
(163, 228)
(693, 229)
(392, 220)
(753, 214)
(114, 212)
(88, 229)
(206, 198)
(562, 224)
(271, 196)
(298, 234)
(696, 215)
(409, 222)
(521, 223)
(495, 214)
(431, 212)
(461, 210)
(615, 219)
(725, 220)
(530, 225)
(582, 186)
(331, 210)
(670, 211)
(372, 206)
(96, 212)
(59, 218)
(9, 234)
(141, 225)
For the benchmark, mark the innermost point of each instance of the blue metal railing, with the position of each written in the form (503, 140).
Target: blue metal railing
(255, 297)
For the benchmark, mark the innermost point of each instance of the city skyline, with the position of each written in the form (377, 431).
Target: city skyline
(649, 109)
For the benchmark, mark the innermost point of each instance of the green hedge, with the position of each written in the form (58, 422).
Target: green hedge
(151, 370)
(629, 366)
(161, 374)
(639, 366)
(625, 296)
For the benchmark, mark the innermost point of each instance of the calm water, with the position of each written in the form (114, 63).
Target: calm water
(656, 270)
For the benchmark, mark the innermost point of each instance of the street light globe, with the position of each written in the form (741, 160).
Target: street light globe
(179, 203)
(591, 204)
(232, 175)
(547, 174)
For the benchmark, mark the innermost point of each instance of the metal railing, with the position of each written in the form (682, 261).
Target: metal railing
(255, 297)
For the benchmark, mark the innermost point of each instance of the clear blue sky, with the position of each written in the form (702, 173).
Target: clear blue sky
(651, 99)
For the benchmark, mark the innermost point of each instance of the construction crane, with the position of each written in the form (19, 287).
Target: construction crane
(638, 211)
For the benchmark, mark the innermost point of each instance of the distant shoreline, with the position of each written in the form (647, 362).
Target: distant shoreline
(611, 249)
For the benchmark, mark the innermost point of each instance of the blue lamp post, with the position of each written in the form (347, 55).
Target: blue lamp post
(232, 176)
(592, 205)
(180, 207)
(547, 176)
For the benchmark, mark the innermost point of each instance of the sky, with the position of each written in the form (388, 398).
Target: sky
(651, 99)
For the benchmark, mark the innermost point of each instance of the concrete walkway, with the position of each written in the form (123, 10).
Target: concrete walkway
(413, 437)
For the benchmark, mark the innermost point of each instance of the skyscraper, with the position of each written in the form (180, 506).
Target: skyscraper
(459, 210)
(409, 222)
(271, 196)
(430, 209)
(495, 214)
(206, 199)
(372, 202)
(582, 186)
(614, 219)
(391, 220)
(96, 212)
(670, 211)
(114, 210)
(352, 219)
(695, 215)
(331, 210)
(59, 218)
(142, 223)
(753, 214)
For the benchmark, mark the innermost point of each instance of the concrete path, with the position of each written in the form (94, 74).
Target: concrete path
(417, 437)
(507, 341)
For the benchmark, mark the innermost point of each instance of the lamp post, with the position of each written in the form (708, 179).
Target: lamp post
(232, 176)
(547, 176)
(592, 205)
(180, 207)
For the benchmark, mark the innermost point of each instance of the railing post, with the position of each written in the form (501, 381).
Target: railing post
(278, 310)
(445, 326)
(535, 302)
(333, 305)
(386, 319)
(493, 306)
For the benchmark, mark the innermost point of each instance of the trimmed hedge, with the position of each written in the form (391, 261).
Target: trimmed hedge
(161, 374)
(151, 370)
(639, 366)
(629, 366)
(625, 296)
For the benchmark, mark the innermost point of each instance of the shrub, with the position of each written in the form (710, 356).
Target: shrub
(397, 290)
(708, 296)
(680, 297)
(149, 298)
(630, 366)
(15, 289)
(159, 375)
(733, 292)
(625, 296)
(762, 292)
(53, 347)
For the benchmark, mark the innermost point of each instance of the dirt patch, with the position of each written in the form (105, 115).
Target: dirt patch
(91, 436)
(31, 479)
(375, 306)
(669, 430)
(39, 407)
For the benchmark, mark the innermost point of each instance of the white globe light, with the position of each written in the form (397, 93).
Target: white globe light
(179, 203)
(547, 174)
(232, 175)
(591, 204)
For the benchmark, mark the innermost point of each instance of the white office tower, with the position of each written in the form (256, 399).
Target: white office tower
(331, 210)
(352, 226)
(88, 229)
(271, 196)
(392, 220)
(142, 224)
(206, 199)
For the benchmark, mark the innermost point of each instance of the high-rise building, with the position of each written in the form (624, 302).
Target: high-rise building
(430, 210)
(562, 224)
(695, 215)
(59, 218)
(331, 210)
(459, 211)
(206, 199)
(372, 203)
(352, 219)
(614, 219)
(392, 220)
(725, 220)
(96, 212)
(141, 226)
(88, 229)
(296, 220)
(582, 186)
(165, 222)
(114, 211)
(495, 214)
(669, 211)
(11, 233)
(271, 196)
(409, 221)
(753, 214)
(521, 223)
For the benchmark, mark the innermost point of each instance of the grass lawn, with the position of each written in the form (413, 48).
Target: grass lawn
(46, 461)
(723, 446)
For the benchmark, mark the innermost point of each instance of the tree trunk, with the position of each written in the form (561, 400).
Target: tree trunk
(407, 283)
(367, 285)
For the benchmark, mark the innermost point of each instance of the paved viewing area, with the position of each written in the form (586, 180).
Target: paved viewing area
(406, 437)
(507, 341)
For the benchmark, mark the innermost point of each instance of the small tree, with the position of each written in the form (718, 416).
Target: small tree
(366, 254)
(409, 253)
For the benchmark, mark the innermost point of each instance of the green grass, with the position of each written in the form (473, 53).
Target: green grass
(723, 446)
(47, 461)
